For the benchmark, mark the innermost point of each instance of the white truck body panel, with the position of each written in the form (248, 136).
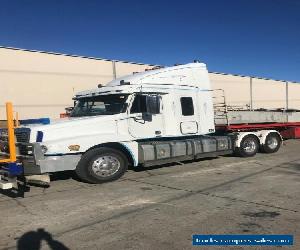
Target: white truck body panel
(171, 84)
(184, 112)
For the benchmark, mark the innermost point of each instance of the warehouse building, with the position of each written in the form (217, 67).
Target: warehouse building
(42, 84)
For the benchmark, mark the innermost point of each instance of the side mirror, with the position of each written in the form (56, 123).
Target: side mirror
(69, 110)
(146, 116)
(153, 104)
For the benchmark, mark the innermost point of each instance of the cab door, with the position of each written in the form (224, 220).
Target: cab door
(146, 116)
(188, 121)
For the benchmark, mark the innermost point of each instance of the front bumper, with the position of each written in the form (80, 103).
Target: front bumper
(36, 162)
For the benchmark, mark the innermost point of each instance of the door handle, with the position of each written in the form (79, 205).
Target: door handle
(157, 133)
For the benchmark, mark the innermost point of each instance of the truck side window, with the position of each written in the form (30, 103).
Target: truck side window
(187, 107)
(139, 104)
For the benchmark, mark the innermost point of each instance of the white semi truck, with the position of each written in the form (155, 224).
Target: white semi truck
(144, 119)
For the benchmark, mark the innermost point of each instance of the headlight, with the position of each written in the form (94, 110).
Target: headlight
(44, 149)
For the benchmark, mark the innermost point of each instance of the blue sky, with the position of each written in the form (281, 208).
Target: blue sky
(251, 37)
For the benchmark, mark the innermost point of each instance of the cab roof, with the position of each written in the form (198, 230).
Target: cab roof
(192, 75)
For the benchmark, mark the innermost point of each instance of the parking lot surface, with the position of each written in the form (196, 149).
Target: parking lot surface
(161, 207)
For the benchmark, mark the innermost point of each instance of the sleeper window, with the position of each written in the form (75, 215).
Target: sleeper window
(187, 107)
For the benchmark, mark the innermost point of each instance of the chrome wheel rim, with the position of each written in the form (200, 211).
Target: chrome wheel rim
(105, 166)
(249, 146)
(272, 143)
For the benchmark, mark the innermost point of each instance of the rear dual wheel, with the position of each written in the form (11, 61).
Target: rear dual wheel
(272, 143)
(249, 146)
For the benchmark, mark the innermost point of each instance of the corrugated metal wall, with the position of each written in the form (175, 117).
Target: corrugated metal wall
(43, 84)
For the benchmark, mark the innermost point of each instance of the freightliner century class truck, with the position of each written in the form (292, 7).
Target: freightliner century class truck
(144, 119)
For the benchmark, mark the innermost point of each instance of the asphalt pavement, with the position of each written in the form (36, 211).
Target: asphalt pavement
(160, 207)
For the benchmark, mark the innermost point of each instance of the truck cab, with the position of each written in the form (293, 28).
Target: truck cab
(148, 118)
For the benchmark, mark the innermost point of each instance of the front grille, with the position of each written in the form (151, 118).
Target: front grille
(23, 135)
(3, 135)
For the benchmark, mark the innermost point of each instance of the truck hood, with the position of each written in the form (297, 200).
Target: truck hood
(75, 127)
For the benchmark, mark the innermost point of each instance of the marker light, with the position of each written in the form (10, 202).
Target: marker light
(74, 147)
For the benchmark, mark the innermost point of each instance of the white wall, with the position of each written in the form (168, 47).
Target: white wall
(43, 84)
(265, 93)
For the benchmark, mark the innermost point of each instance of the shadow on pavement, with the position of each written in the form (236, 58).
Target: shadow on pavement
(65, 175)
(33, 240)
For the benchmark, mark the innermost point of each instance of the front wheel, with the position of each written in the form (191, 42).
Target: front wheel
(100, 165)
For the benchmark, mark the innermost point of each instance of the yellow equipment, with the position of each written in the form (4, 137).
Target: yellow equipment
(11, 135)
(9, 167)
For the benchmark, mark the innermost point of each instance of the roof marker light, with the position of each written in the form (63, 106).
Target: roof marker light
(122, 82)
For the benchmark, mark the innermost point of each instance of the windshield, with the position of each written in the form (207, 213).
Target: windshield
(100, 105)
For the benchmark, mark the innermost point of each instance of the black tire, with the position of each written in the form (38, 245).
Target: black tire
(272, 143)
(249, 146)
(87, 166)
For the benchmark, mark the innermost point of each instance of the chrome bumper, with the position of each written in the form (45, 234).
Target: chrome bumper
(36, 162)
